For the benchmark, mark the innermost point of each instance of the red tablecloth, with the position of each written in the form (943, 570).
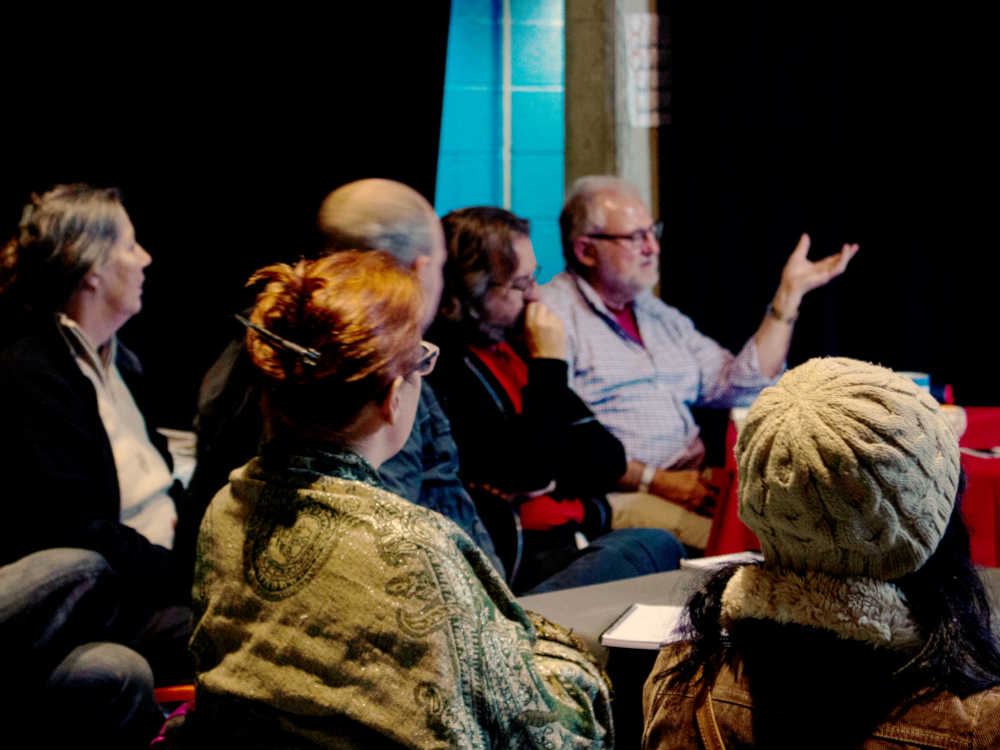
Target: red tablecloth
(980, 506)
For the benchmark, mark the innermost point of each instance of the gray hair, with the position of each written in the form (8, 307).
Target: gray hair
(62, 235)
(581, 212)
(377, 214)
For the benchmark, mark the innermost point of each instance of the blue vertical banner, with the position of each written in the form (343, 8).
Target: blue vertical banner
(502, 125)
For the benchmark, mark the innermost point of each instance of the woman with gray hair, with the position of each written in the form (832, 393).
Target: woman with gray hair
(867, 624)
(82, 468)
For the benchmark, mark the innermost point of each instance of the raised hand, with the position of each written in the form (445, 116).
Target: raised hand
(801, 275)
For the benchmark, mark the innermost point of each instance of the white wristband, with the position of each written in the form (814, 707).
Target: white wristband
(647, 478)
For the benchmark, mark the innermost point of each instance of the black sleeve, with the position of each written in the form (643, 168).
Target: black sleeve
(61, 486)
(497, 446)
(553, 438)
(593, 459)
(229, 428)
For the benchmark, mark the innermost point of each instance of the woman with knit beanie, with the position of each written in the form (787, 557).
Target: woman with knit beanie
(866, 625)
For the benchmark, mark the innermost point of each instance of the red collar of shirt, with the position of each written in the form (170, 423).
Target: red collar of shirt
(507, 367)
(626, 319)
(543, 512)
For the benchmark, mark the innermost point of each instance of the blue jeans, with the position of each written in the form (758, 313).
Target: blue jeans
(55, 608)
(625, 553)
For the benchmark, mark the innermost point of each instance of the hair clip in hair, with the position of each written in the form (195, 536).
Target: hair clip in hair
(309, 356)
(28, 212)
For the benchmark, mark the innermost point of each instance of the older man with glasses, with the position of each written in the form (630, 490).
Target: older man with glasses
(640, 364)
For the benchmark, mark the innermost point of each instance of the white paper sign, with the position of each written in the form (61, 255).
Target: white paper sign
(647, 76)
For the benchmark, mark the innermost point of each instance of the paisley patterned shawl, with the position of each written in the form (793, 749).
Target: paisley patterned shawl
(332, 613)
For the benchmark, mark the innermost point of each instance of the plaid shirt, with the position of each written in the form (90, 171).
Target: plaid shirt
(642, 393)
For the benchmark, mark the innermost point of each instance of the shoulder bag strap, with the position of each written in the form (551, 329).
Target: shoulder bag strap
(708, 729)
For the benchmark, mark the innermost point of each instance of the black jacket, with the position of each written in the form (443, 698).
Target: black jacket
(555, 437)
(60, 485)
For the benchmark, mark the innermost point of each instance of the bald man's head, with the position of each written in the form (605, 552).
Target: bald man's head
(377, 214)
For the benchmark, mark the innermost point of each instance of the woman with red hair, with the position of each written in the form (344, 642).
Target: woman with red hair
(332, 612)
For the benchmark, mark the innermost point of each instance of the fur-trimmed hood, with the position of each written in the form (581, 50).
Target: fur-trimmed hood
(860, 609)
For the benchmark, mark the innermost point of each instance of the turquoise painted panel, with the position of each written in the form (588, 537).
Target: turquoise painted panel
(489, 9)
(537, 184)
(467, 180)
(474, 52)
(534, 10)
(537, 52)
(471, 120)
(548, 250)
(537, 121)
(469, 162)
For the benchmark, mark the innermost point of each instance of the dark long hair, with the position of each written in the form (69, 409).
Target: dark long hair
(799, 676)
(480, 245)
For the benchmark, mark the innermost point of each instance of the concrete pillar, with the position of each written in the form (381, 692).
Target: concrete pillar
(599, 137)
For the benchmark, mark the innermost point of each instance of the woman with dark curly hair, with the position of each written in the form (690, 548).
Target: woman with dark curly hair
(866, 625)
(333, 613)
(524, 437)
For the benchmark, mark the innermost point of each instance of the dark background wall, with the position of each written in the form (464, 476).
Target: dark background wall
(872, 126)
(224, 133)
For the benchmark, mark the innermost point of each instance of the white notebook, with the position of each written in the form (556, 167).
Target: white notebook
(717, 561)
(645, 626)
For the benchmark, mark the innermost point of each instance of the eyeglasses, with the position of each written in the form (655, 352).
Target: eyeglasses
(654, 231)
(425, 365)
(523, 283)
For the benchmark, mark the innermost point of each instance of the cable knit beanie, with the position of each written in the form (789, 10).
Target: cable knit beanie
(848, 468)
